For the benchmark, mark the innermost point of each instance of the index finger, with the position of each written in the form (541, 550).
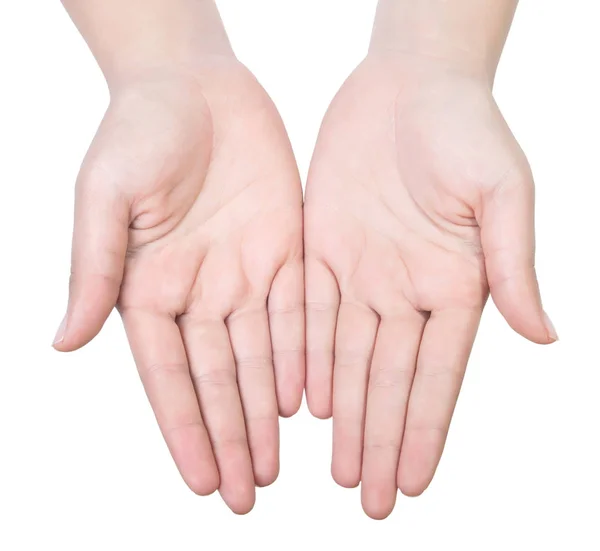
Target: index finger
(443, 355)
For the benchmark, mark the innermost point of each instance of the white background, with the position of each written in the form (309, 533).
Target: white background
(82, 464)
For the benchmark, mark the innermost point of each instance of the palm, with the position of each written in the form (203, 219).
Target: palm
(212, 292)
(396, 277)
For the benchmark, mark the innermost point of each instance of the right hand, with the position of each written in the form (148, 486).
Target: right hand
(419, 202)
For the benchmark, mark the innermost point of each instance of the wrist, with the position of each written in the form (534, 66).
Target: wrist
(195, 72)
(165, 59)
(140, 37)
(416, 68)
(463, 36)
(413, 82)
(414, 76)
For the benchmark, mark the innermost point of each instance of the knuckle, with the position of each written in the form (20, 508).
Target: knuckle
(423, 431)
(352, 360)
(286, 310)
(77, 277)
(282, 355)
(318, 307)
(382, 445)
(440, 371)
(169, 430)
(230, 442)
(215, 378)
(254, 362)
(162, 370)
(391, 378)
(320, 352)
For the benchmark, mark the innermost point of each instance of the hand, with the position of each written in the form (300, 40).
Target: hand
(419, 201)
(189, 217)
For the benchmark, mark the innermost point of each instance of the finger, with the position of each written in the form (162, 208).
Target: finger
(508, 240)
(445, 348)
(98, 257)
(355, 337)
(160, 356)
(392, 371)
(322, 303)
(213, 371)
(286, 320)
(251, 344)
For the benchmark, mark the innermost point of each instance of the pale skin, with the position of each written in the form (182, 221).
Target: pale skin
(188, 220)
(419, 203)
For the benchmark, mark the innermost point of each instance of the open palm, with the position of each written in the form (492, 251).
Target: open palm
(419, 201)
(189, 219)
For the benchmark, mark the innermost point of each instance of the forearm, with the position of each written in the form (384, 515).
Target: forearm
(127, 36)
(469, 34)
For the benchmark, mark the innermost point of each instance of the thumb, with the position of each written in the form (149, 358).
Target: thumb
(98, 257)
(507, 227)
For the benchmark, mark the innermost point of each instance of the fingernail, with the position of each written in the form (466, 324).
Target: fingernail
(60, 334)
(550, 327)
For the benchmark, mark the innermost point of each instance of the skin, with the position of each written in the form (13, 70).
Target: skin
(419, 203)
(188, 219)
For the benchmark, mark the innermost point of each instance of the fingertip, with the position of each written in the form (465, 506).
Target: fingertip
(198, 470)
(68, 345)
(91, 301)
(267, 476)
(412, 488)
(536, 332)
(265, 462)
(552, 333)
(377, 512)
(60, 333)
(73, 339)
(348, 483)
(413, 479)
(378, 503)
(60, 347)
(419, 459)
(321, 410)
(71, 344)
(68, 338)
(413, 482)
(525, 316)
(344, 477)
(289, 392)
(238, 486)
(242, 501)
(289, 401)
(289, 408)
(319, 387)
(243, 510)
(203, 484)
(544, 341)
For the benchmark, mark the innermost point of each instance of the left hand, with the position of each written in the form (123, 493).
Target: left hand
(188, 218)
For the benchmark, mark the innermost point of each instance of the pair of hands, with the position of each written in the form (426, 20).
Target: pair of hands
(189, 218)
